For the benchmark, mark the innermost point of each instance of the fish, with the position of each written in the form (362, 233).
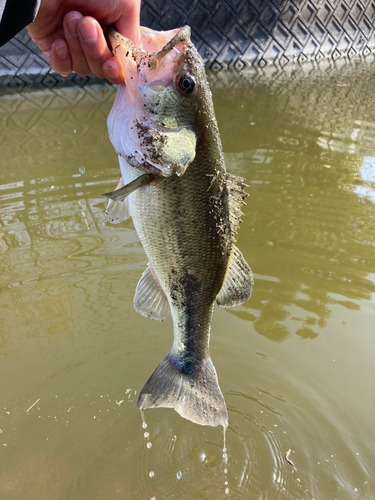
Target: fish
(186, 210)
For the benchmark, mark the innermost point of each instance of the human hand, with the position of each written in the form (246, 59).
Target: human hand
(70, 34)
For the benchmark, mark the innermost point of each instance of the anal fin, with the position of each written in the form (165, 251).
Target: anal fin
(238, 281)
(149, 299)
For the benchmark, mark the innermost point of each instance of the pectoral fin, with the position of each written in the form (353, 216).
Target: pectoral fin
(117, 212)
(238, 281)
(119, 195)
(149, 299)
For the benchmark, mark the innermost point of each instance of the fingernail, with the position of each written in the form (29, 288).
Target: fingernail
(61, 49)
(111, 71)
(72, 26)
(88, 31)
(47, 55)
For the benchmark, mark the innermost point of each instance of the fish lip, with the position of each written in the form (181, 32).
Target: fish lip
(182, 35)
(114, 38)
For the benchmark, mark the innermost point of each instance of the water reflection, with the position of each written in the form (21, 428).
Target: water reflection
(69, 334)
(304, 166)
(366, 187)
(307, 230)
(51, 213)
(322, 240)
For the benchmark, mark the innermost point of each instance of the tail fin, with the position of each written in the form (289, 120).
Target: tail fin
(192, 390)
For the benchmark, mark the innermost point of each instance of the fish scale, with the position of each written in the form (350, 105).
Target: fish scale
(175, 258)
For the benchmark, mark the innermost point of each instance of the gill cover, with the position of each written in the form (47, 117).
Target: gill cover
(151, 123)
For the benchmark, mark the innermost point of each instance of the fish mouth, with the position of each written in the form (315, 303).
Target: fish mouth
(152, 143)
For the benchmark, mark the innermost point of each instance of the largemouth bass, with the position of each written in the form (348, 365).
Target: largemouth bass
(186, 209)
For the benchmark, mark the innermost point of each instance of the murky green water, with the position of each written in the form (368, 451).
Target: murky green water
(296, 363)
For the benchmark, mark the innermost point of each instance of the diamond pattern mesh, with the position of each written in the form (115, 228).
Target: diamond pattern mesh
(234, 33)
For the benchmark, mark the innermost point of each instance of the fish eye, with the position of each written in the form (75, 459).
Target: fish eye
(186, 84)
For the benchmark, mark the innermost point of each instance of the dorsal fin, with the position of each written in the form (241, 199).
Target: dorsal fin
(237, 196)
(117, 212)
(149, 299)
(238, 281)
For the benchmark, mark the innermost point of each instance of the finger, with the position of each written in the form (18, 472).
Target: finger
(93, 44)
(78, 58)
(46, 43)
(60, 58)
(128, 25)
(113, 71)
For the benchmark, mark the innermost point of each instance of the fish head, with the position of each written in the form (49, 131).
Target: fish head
(153, 122)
